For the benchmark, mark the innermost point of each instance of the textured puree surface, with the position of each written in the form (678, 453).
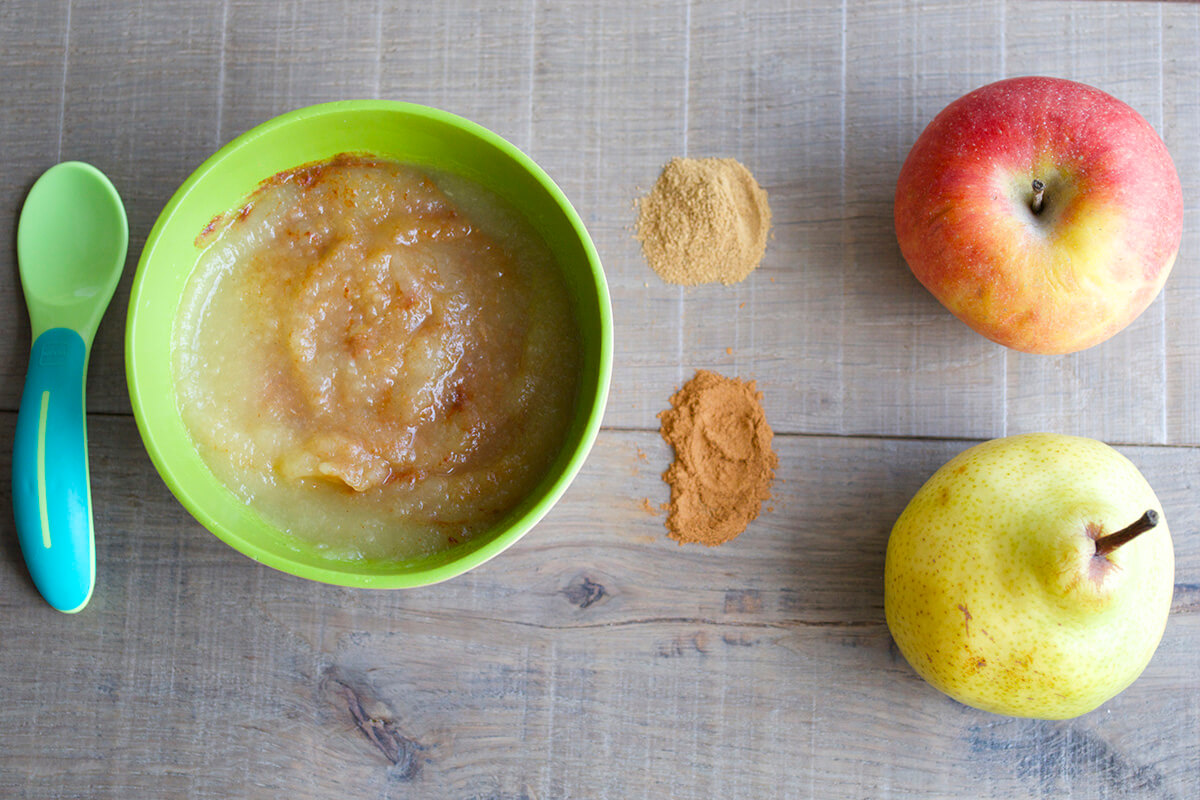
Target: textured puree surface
(375, 366)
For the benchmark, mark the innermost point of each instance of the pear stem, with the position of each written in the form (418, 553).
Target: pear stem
(1039, 191)
(1106, 544)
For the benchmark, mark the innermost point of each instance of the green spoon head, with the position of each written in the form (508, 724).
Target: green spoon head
(71, 243)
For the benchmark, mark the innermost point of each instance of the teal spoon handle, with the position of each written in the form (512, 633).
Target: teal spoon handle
(52, 498)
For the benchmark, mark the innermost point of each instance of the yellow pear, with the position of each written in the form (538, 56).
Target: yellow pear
(1031, 576)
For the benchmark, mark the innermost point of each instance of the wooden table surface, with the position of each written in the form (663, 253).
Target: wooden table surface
(596, 658)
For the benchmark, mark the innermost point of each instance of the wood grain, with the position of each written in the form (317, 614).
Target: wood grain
(31, 94)
(822, 102)
(597, 659)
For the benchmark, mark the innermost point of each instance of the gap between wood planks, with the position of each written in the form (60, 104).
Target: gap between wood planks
(876, 437)
(880, 437)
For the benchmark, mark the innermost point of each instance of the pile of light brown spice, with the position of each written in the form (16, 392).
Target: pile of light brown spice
(705, 221)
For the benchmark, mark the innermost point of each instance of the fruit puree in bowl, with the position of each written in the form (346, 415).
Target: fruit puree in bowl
(381, 360)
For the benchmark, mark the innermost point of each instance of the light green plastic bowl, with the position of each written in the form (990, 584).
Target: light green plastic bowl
(404, 132)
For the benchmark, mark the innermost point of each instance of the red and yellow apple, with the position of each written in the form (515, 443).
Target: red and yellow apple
(1044, 213)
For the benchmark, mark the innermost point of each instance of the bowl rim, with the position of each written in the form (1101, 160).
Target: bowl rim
(499, 541)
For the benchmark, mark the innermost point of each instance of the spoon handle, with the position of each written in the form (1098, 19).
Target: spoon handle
(52, 498)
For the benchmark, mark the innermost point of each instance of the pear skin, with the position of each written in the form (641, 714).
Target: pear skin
(993, 587)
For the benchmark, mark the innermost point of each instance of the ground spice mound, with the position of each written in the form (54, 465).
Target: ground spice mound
(724, 463)
(706, 220)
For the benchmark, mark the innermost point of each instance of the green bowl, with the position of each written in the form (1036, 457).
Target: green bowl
(399, 131)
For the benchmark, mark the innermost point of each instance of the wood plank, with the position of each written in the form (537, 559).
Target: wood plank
(1113, 391)
(842, 340)
(610, 108)
(1181, 118)
(33, 40)
(596, 658)
(140, 96)
(423, 60)
(126, 103)
(829, 341)
(281, 56)
(756, 96)
(910, 367)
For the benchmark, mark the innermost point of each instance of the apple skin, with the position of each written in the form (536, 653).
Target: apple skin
(1072, 275)
(992, 589)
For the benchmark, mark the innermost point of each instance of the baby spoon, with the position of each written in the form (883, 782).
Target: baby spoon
(71, 242)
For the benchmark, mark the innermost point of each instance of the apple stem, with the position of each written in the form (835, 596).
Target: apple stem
(1039, 191)
(1106, 544)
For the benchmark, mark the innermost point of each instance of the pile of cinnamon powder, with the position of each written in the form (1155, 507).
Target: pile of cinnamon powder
(706, 220)
(723, 464)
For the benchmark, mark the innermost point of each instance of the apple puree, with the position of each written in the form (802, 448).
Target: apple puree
(379, 361)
